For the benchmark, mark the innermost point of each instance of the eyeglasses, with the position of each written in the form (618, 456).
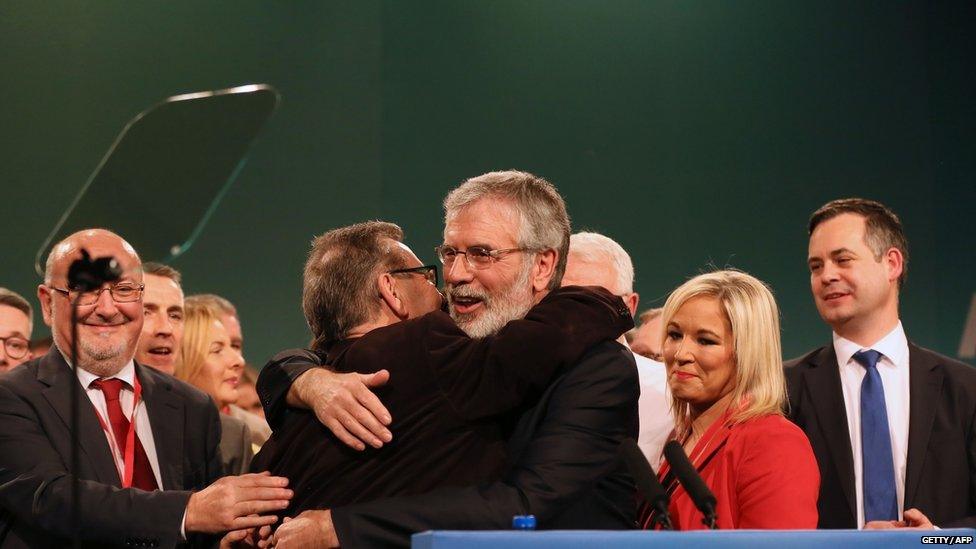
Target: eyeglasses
(428, 271)
(15, 347)
(123, 292)
(477, 257)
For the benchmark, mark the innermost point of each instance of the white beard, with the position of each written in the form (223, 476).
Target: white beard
(498, 310)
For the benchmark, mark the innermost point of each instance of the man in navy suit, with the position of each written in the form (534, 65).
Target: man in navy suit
(149, 461)
(891, 424)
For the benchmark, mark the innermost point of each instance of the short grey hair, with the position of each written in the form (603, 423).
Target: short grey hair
(11, 298)
(543, 221)
(597, 248)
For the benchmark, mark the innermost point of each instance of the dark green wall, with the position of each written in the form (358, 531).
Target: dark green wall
(695, 134)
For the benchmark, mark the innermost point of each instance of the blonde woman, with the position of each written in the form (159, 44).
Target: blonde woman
(722, 352)
(211, 364)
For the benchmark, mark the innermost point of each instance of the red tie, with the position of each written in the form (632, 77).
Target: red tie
(142, 475)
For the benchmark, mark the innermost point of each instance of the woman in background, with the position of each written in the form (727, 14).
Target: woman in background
(209, 363)
(725, 372)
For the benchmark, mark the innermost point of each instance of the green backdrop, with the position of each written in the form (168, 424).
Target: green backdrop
(694, 133)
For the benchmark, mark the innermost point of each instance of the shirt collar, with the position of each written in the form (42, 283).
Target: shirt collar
(893, 346)
(126, 374)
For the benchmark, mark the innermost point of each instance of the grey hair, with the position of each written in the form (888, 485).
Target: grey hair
(339, 288)
(597, 248)
(543, 221)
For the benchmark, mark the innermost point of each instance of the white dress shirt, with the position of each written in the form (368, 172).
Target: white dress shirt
(653, 408)
(893, 368)
(126, 397)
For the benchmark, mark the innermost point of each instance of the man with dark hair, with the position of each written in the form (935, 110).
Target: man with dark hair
(367, 298)
(505, 244)
(16, 325)
(891, 423)
(155, 486)
(162, 330)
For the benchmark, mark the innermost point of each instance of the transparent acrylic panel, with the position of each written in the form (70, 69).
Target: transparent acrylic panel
(168, 170)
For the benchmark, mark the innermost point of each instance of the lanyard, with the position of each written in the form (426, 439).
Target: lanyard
(129, 456)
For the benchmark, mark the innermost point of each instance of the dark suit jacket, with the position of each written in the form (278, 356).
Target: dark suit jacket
(566, 468)
(444, 391)
(35, 450)
(940, 479)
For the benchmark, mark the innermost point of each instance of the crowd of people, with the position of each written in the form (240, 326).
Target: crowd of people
(507, 391)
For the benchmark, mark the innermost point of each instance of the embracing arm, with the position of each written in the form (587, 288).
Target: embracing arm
(492, 375)
(590, 412)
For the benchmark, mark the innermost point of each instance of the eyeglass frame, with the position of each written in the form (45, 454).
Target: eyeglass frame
(492, 255)
(6, 350)
(140, 288)
(423, 269)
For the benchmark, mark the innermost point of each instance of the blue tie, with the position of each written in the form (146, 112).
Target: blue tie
(878, 471)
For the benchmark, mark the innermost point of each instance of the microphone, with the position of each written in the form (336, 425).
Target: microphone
(647, 483)
(703, 498)
(88, 274)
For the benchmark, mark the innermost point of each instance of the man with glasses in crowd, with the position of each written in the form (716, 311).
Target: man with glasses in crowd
(505, 246)
(16, 324)
(371, 305)
(149, 460)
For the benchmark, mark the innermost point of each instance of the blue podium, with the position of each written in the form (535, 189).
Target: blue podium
(744, 539)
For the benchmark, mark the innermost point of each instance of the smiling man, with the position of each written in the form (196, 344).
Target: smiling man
(156, 490)
(506, 239)
(162, 329)
(891, 423)
(16, 324)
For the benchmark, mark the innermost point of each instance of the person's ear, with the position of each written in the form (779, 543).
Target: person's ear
(44, 295)
(392, 295)
(894, 264)
(543, 269)
(631, 300)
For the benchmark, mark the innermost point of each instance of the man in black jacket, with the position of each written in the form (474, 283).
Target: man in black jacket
(157, 488)
(505, 244)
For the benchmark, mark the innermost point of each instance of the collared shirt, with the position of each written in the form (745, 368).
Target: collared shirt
(653, 408)
(143, 429)
(893, 368)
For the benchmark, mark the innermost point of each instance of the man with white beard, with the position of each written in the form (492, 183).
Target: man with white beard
(505, 245)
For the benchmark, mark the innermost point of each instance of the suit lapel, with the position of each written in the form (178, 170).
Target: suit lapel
(54, 372)
(827, 396)
(166, 418)
(924, 386)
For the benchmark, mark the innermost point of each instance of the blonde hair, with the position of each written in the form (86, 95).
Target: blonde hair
(198, 321)
(760, 386)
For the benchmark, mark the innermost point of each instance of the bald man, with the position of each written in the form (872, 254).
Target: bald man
(596, 260)
(149, 459)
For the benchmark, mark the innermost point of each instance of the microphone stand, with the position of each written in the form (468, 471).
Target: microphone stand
(84, 275)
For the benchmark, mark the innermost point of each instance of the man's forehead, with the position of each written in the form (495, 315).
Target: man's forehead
(488, 221)
(97, 244)
(411, 257)
(843, 231)
(160, 286)
(13, 320)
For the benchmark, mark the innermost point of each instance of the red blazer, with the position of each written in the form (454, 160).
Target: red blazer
(762, 472)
